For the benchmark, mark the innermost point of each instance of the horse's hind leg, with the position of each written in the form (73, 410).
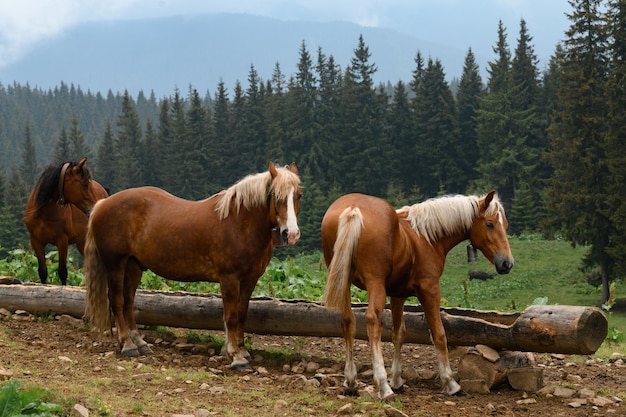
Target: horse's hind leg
(373, 318)
(116, 299)
(40, 253)
(62, 247)
(429, 295)
(398, 336)
(131, 282)
(348, 329)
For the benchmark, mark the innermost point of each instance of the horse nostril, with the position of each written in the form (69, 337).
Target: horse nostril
(285, 235)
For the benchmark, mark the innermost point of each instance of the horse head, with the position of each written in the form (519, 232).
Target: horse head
(488, 233)
(284, 203)
(76, 186)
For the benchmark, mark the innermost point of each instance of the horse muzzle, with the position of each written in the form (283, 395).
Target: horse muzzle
(503, 263)
(285, 236)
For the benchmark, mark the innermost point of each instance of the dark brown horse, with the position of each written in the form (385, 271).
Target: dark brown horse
(57, 209)
(400, 254)
(227, 238)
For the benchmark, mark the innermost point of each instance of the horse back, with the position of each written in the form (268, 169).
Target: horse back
(382, 250)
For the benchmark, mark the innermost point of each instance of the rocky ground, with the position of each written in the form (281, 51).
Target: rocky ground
(290, 376)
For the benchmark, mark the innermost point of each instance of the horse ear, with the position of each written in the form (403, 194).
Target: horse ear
(293, 168)
(272, 170)
(489, 197)
(78, 168)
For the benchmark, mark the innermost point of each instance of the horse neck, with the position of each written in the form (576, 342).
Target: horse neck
(448, 242)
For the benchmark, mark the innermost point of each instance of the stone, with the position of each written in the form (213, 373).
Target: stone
(393, 412)
(80, 410)
(525, 379)
(563, 392)
(488, 353)
(474, 386)
(586, 393)
(601, 401)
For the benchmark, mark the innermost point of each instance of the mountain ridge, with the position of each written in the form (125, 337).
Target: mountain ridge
(163, 54)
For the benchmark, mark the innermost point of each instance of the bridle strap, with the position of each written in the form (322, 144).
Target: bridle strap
(62, 183)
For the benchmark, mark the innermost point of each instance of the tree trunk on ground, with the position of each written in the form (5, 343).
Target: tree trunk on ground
(539, 328)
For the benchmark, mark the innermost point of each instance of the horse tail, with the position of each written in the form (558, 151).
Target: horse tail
(337, 293)
(97, 309)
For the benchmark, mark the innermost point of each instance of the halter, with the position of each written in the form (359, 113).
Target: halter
(62, 183)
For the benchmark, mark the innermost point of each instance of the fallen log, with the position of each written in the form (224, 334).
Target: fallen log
(539, 328)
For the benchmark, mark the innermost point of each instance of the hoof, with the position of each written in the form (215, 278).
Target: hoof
(460, 393)
(240, 366)
(351, 392)
(130, 353)
(145, 350)
(399, 389)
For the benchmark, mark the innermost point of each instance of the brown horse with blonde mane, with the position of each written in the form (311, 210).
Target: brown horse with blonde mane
(227, 238)
(57, 209)
(401, 254)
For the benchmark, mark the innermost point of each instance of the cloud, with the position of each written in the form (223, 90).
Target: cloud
(26, 22)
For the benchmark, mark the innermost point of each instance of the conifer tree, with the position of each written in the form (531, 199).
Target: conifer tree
(197, 141)
(104, 171)
(366, 151)
(437, 139)
(402, 140)
(327, 122)
(301, 99)
(127, 147)
(577, 190)
(275, 117)
(62, 150)
(468, 98)
(615, 143)
(28, 168)
(79, 147)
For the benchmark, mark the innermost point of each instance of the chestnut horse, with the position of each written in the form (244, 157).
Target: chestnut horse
(56, 212)
(227, 238)
(400, 254)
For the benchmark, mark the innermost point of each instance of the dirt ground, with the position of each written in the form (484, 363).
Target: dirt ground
(290, 376)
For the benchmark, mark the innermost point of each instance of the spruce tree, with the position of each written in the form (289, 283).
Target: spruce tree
(62, 150)
(78, 146)
(577, 190)
(127, 147)
(104, 171)
(468, 98)
(438, 145)
(366, 151)
(615, 143)
(28, 168)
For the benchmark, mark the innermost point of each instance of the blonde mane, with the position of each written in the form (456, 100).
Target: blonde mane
(438, 217)
(253, 190)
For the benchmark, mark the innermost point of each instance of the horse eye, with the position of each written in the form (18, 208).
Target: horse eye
(489, 225)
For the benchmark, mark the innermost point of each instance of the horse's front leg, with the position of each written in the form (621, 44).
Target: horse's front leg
(398, 337)
(230, 288)
(373, 318)
(429, 294)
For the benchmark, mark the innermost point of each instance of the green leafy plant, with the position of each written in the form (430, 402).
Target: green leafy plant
(613, 335)
(16, 401)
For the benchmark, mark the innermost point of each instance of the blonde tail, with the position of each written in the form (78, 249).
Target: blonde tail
(337, 293)
(97, 310)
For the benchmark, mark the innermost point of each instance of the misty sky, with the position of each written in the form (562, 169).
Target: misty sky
(460, 23)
